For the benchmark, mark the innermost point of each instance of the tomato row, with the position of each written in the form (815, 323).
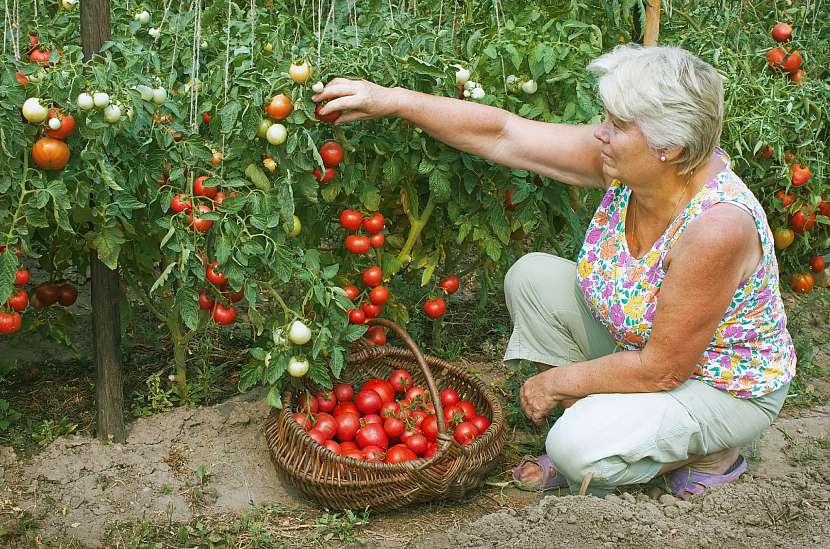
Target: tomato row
(388, 420)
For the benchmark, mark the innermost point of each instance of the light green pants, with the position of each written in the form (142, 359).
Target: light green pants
(621, 438)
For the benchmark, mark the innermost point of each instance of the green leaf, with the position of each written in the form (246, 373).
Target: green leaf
(228, 114)
(8, 268)
(273, 399)
(439, 185)
(275, 367)
(162, 277)
(186, 301)
(429, 269)
(330, 271)
(222, 248)
(354, 332)
(250, 376)
(108, 245)
(258, 177)
(319, 374)
(337, 362)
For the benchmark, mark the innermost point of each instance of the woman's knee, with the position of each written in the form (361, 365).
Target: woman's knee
(570, 450)
(535, 268)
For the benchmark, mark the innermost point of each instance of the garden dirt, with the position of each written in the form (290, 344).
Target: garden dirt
(189, 463)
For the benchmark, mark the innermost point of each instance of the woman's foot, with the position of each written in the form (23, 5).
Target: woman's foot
(537, 474)
(702, 474)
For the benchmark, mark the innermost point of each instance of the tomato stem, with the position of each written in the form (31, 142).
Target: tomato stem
(418, 224)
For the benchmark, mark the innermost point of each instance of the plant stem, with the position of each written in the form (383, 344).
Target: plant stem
(418, 224)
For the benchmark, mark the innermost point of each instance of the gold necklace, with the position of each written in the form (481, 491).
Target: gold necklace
(674, 212)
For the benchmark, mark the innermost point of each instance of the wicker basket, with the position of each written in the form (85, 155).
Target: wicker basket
(345, 483)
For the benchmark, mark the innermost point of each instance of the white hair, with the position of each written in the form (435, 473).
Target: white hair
(673, 97)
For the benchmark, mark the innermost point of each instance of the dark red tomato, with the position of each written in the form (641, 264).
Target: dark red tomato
(469, 409)
(352, 292)
(344, 392)
(317, 436)
(390, 409)
(430, 428)
(382, 387)
(69, 295)
(345, 408)
(374, 223)
(394, 427)
(418, 444)
(400, 380)
(371, 418)
(802, 283)
(374, 453)
(508, 199)
(205, 302)
(330, 117)
(219, 199)
(21, 277)
(418, 417)
(199, 223)
(379, 295)
(802, 220)
(817, 264)
(372, 276)
(481, 423)
(332, 446)
(350, 220)
(465, 433)
(824, 208)
(782, 32)
(326, 401)
(213, 276)
(799, 175)
(303, 420)
(223, 315)
(19, 301)
(326, 424)
(348, 446)
(449, 397)
(449, 284)
(199, 188)
(357, 244)
(372, 434)
(793, 62)
(417, 394)
(48, 293)
(410, 432)
(434, 308)
(206, 117)
(332, 154)
(325, 176)
(376, 335)
(180, 203)
(357, 316)
(371, 310)
(355, 454)
(235, 297)
(786, 199)
(307, 403)
(431, 450)
(454, 414)
(399, 453)
(368, 401)
(347, 426)
(775, 57)
(377, 240)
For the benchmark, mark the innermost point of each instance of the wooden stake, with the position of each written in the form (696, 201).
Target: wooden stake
(586, 480)
(652, 23)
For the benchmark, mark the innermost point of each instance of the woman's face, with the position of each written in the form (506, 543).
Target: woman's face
(625, 152)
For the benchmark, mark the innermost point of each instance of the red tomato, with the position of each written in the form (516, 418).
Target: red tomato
(371, 418)
(357, 316)
(372, 276)
(197, 222)
(357, 244)
(417, 394)
(418, 444)
(19, 301)
(782, 32)
(205, 302)
(326, 424)
(348, 446)
(399, 453)
(373, 224)
(792, 63)
(344, 392)
(431, 450)
(354, 454)
(377, 240)
(379, 295)
(802, 283)
(21, 277)
(50, 153)
(371, 310)
(347, 426)
(332, 154)
(47, 293)
(802, 220)
(317, 436)
(213, 276)
(326, 401)
(235, 297)
(280, 107)
(469, 409)
(199, 188)
(449, 284)
(824, 208)
(817, 264)
(430, 428)
(223, 315)
(352, 291)
(481, 423)
(345, 408)
(775, 57)
(374, 453)
(449, 397)
(465, 433)
(434, 308)
(372, 434)
(394, 427)
(400, 380)
(508, 199)
(390, 409)
(376, 335)
(351, 219)
(454, 414)
(67, 125)
(324, 176)
(303, 420)
(206, 117)
(332, 446)
(10, 322)
(799, 175)
(307, 403)
(368, 402)
(382, 387)
(219, 198)
(765, 152)
(180, 203)
(330, 117)
(786, 199)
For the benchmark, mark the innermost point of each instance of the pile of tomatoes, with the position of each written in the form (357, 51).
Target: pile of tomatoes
(388, 420)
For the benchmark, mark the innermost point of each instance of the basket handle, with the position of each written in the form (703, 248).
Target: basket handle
(419, 357)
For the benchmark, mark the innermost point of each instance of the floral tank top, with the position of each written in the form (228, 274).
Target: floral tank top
(751, 353)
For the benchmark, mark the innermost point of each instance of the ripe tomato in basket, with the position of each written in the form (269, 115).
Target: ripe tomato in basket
(326, 401)
(345, 408)
(399, 453)
(347, 425)
(469, 409)
(400, 381)
(326, 424)
(307, 403)
(481, 423)
(372, 435)
(344, 392)
(374, 453)
(371, 418)
(449, 397)
(430, 428)
(382, 387)
(368, 401)
(465, 433)
(394, 427)
(303, 420)
(333, 446)
(390, 409)
(418, 444)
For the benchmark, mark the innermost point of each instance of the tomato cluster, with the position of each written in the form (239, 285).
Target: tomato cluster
(221, 313)
(388, 420)
(787, 59)
(44, 295)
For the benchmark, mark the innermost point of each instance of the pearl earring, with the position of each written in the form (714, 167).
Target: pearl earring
(662, 158)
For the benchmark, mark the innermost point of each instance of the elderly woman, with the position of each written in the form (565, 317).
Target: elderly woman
(668, 335)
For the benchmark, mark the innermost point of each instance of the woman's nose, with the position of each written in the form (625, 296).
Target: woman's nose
(601, 131)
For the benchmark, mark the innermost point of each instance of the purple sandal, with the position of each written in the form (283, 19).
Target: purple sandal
(549, 482)
(685, 482)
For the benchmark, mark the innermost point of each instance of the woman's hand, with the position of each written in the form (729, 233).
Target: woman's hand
(356, 100)
(539, 396)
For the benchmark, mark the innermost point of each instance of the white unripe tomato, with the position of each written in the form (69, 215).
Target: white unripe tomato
(37, 77)
(159, 96)
(68, 4)
(100, 99)
(54, 123)
(154, 32)
(112, 114)
(295, 230)
(276, 134)
(462, 76)
(145, 91)
(142, 17)
(299, 333)
(318, 87)
(33, 111)
(477, 93)
(529, 87)
(85, 101)
(469, 84)
(300, 73)
(467, 93)
(297, 366)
